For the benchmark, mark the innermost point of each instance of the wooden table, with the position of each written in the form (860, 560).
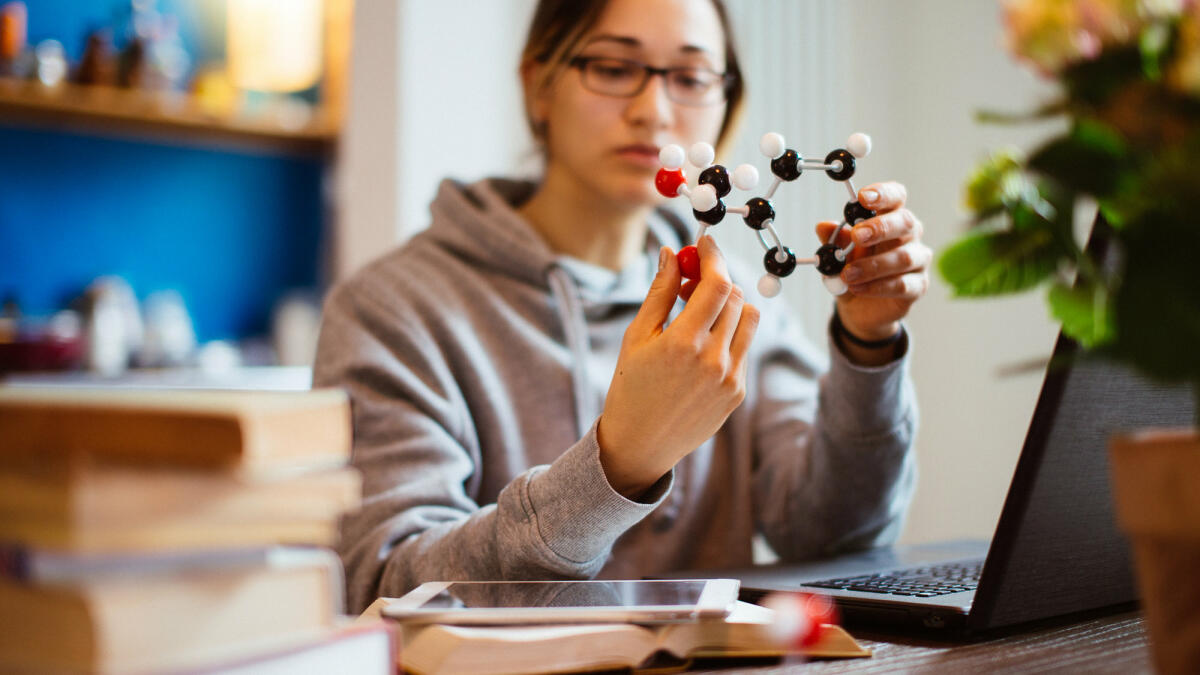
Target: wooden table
(1112, 644)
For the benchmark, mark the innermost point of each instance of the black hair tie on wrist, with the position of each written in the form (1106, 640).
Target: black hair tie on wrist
(840, 328)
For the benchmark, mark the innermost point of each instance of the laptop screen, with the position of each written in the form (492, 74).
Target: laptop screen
(1057, 549)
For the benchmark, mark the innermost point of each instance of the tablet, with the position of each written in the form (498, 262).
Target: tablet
(516, 602)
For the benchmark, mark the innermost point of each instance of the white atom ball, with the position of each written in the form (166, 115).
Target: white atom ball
(704, 197)
(745, 177)
(835, 285)
(769, 285)
(772, 144)
(791, 623)
(671, 157)
(859, 145)
(701, 154)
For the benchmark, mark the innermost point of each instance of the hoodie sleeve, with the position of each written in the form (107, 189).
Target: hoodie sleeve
(834, 466)
(415, 445)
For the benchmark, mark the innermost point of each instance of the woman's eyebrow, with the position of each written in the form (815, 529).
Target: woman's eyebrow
(634, 42)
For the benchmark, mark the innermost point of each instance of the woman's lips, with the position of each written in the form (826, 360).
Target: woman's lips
(642, 155)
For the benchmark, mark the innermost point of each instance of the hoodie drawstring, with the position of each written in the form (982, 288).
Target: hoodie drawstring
(575, 328)
(587, 406)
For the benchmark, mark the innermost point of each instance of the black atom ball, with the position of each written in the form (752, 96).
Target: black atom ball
(787, 165)
(760, 212)
(716, 176)
(856, 213)
(780, 269)
(827, 261)
(847, 161)
(713, 215)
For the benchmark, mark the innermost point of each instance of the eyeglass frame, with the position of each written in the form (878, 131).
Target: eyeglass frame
(726, 80)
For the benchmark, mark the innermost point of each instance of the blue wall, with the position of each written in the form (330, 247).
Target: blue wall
(230, 231)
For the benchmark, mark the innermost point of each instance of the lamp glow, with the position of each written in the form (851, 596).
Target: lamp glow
(274, 45)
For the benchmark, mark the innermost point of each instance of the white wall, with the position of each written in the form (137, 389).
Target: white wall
(911, 73)
(946, 63)
(460, 105)
(365, 177)
(434, 93)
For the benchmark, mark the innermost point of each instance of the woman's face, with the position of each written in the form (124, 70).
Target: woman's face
(609, 144)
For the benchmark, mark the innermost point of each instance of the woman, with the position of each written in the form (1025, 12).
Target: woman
(531, 402)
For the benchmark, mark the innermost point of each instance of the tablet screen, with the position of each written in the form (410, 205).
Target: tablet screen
(480, 595)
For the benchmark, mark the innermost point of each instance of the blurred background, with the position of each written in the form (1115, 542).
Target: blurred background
(181, 180)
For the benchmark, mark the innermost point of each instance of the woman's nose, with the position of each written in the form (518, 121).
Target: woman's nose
(651, 106)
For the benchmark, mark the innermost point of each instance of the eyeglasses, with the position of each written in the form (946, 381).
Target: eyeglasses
(686, 85)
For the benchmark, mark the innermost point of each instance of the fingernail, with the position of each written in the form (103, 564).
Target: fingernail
(864, 235)
(850, 273)
(662, 258)
(870, 197)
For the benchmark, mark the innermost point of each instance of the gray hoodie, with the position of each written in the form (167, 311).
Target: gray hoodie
(477, 361)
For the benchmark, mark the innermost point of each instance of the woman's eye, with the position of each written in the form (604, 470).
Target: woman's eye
(692, 79)
(614, 71)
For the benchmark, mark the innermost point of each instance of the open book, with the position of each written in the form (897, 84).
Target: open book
(746, 633)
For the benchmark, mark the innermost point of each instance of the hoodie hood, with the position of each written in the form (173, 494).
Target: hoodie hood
(478, 222)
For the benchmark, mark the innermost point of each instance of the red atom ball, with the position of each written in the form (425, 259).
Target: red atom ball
(668, 182)
(820, 609)
(689, 262)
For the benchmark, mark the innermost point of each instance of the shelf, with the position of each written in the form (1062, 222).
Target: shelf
(171, 117)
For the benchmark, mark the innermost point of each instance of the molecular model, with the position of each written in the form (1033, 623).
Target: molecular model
(713, 185)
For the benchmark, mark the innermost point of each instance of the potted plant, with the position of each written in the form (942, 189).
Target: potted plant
(1128, 76)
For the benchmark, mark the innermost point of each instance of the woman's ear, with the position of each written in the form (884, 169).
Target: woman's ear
(537, 104)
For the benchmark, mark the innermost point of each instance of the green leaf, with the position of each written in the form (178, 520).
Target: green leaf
(996, 181)
(1154, 43)
(1090, 159)
(1084, 311)
(992, 263)
(1093, 81)
(1158, 302)
(1047, 111)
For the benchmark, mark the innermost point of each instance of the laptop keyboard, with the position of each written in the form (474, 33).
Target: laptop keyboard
(921, 582)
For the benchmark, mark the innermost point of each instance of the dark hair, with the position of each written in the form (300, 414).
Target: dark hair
(558, 26)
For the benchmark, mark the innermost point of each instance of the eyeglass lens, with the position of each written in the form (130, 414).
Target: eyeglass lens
(618, 77)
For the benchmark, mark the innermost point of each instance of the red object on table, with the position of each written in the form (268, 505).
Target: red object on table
(821, 610)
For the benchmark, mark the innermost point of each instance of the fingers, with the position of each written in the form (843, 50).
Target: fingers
(688, 288)
(660, 299)
(883, 196)
(908, 287)
(739, 346)
(826, 228)
(897, 224)
(911, 257)
(709, 296)
(727, 322)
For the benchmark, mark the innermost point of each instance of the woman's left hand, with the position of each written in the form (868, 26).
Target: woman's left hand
(888, 269)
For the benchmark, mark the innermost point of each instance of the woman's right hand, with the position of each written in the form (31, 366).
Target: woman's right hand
(674, 387)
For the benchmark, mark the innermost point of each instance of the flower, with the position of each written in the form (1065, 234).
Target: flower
(1129, 89)
(1054, 34)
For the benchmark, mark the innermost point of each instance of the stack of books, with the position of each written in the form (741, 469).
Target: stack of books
(160, 531)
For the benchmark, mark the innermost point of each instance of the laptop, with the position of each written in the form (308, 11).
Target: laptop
(1056, 551)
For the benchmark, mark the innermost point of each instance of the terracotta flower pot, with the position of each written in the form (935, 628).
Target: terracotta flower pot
(1156, 490)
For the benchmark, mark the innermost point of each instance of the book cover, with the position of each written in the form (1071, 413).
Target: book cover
(112, 617)
(92, 507)
(244, 430)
